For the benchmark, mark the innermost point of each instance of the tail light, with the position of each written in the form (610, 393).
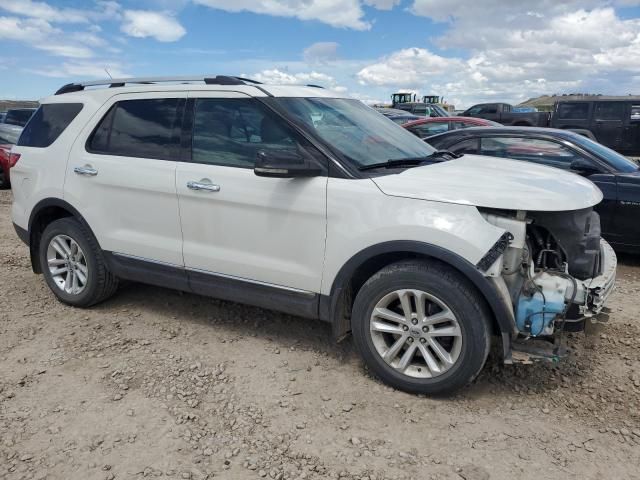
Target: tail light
(13, 159)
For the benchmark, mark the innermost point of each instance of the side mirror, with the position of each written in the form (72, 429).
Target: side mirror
(284, 164)
(583, 167)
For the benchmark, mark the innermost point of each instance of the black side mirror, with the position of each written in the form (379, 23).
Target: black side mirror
(584, 167)
(283, 164)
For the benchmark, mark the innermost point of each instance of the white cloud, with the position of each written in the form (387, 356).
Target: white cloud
(337, 13)
(321, 52)
(279, 77)
(382, 4)
(41, 35)
(81, 70)
(410, 67)
(159, 25)
(43, 11)
(535, 48)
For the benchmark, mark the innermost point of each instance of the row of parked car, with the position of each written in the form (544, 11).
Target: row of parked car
(11, 124)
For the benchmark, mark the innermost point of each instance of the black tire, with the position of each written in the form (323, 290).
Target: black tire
(460, 297)
(4, 182)
(101, 284)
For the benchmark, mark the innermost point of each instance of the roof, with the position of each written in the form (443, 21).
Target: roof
(479, 121)
(103, 89)
(555, 132)
(551, 99)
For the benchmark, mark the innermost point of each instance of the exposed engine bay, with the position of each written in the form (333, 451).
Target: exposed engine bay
(555, 269)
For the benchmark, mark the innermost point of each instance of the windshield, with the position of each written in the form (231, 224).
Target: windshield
(617, 161)
(356, 131)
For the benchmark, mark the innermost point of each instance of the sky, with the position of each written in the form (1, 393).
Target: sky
(467, 51)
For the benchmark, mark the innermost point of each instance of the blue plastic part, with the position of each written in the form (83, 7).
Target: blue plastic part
(534, 315)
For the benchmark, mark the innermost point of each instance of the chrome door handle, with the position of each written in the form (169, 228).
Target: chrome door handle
(207, 187)
(91, 172)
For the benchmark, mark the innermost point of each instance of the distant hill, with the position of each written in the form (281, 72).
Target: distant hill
(545, 103)
(7, 104)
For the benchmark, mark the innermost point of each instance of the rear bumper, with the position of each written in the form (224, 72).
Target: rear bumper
(22, 234)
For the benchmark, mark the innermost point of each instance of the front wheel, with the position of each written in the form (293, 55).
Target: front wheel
(421, 327)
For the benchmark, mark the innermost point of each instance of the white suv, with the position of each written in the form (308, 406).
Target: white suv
(299, 200)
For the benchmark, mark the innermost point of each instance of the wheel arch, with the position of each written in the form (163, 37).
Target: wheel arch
(43, 213)
(336, 307)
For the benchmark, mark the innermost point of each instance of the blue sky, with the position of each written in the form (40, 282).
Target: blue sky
(466, 51)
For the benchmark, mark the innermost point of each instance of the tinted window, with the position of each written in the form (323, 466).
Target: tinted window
(146, 128)
(489, 109)
(573, 111)
(617, 161)
(635, 112)
(428, 129)
(529, 149)
(231, 132)
(46, 125)
(610, 110)
(466, 146)
(18, 117)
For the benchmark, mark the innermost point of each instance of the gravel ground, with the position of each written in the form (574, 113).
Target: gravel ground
(156, 383)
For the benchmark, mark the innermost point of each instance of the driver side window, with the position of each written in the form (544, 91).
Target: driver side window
(231, 131)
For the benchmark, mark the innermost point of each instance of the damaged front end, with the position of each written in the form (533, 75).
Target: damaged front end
(555, 271)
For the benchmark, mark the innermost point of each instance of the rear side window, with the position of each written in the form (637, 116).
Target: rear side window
(573, 111)
(428, 129)
(610, 110)
(48, 123)
(147, 128)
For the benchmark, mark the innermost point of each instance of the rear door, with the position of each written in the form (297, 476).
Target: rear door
(608, 123)
(121, 176)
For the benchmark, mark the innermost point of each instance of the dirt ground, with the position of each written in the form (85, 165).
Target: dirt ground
(156, 383)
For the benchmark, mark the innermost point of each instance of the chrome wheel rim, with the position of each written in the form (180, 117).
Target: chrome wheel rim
(67, 264)
(416, 333)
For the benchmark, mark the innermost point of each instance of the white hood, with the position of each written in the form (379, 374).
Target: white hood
(494, 183)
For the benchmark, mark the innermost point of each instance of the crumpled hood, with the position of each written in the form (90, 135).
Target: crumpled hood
(493, 183)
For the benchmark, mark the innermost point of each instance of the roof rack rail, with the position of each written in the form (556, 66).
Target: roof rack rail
(121, 82)
(314, 86)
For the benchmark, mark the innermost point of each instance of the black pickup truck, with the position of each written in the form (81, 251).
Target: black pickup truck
(507, 115)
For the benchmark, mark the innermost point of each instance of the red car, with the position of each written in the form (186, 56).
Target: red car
(9, 135)
(426, 127)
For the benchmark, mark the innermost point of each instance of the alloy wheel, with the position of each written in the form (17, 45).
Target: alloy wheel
(416, 333)
(67, 264)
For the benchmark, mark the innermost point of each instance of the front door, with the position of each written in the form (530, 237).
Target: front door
(121, 176)
(239, 226)
(626, 226)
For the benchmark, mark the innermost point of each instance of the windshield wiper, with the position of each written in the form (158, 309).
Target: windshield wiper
(412, 162)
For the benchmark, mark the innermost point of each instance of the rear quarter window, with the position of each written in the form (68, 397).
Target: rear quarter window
(48, 123)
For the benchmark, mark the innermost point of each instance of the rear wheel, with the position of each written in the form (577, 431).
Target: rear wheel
(421, 327)
(73, 265)
(4, 181)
